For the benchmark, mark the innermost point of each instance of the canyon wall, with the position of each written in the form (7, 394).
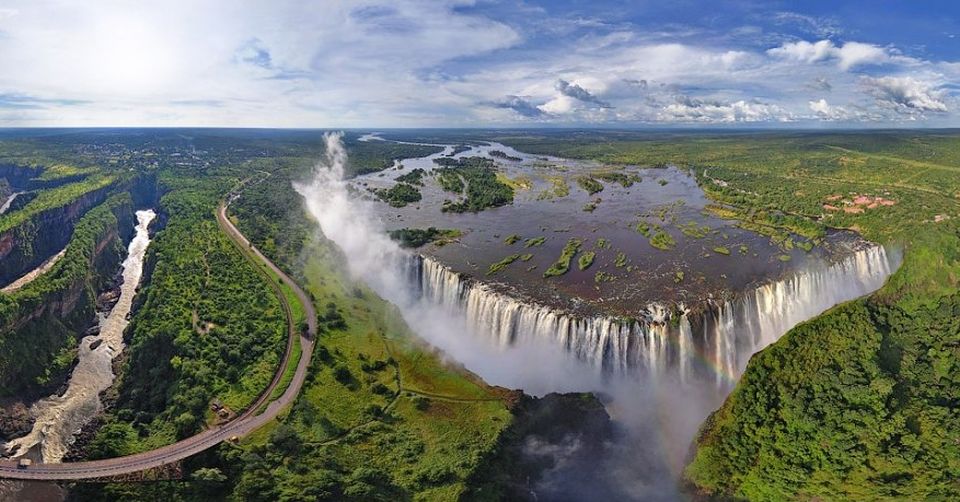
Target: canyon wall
(40, 323)
(27, 245)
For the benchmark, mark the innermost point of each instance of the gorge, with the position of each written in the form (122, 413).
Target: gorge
(59, 417)
(713, 341)
(665, 348)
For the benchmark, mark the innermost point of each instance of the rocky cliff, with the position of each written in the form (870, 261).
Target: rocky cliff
(27, 245)
(40, 323)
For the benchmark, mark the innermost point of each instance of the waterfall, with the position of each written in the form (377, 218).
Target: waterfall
(712, 341)
(709, 343)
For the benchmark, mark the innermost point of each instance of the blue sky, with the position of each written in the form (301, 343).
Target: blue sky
(480, 63)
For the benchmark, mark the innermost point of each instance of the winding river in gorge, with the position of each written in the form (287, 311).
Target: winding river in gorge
(59, 418)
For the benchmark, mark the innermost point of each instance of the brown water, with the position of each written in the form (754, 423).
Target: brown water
(668, 197)
(59, 418)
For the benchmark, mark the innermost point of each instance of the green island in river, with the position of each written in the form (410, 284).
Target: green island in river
(479, 251)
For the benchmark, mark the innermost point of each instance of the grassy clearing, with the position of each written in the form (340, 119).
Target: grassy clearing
(559, 188)
(516, 183)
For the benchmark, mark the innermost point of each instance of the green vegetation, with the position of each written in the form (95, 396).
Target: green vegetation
(189, 343)
(512, 239)
(694, 230)
(450, 181)
(417, 237)
(662, 240)
(399, 195)
(858, 404)
(414, 177)
(526, 257)
(601, 277)
(503, 155)
(534, 242)
(625, 180)
(562, 265)
(586, 259)
(500, 265)
(602, 243)
(55, 198)
(592, 205)
(722, 250)
(375, 156)
(59, 171)
(40, 351)
(621, 260)
(483, 188)
(516, 183)
(559, 188)
(458, 149)
(588, 184)
(678, 276)
(871, 385)
(380, 417)
(644, 229)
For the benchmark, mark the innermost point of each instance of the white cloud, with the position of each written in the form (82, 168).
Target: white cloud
(825, 111)
(381, 63)
(312, 62)
(906, 95)
(855, 53)
(847, 56)
(559, 105)
(688, 110)
(820, 26)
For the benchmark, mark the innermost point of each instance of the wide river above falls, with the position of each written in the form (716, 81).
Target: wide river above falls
(712, 257)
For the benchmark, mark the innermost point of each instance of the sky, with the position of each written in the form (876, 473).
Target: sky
(461, 63)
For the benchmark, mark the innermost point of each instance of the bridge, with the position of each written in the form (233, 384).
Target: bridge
(253, 418)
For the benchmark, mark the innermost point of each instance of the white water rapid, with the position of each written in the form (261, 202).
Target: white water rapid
(59, 418)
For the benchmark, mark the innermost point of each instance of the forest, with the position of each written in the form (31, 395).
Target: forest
(475, 178)
(188, 343)
(861, 402)
(381, 416)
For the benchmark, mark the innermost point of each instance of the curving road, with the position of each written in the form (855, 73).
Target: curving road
(242, 425)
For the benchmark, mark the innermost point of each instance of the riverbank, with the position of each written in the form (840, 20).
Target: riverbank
(58, 417)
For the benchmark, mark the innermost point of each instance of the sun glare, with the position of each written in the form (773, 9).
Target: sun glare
(129, 53)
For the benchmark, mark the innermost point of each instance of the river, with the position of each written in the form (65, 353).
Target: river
(9, 201)
(60, 417)
(659, 371)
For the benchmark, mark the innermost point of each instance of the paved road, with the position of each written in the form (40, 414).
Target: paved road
(243, 424)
